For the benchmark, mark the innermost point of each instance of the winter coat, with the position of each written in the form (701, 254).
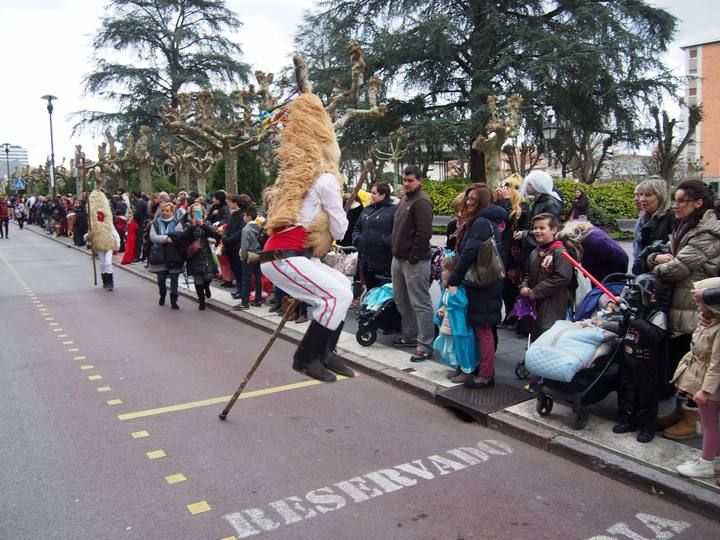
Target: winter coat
(250, 240)
(412, 228)
(4, 210)
(697, 256)
(352, 216)
(463, 336)
(166, 255)
(699, 369)
(580, 207)
(648, 230)
(202, 264)
(602, 255)
(233, 232)
(219, 214)
(711, 297)
(372, 236)
(484, 303)
(512, 249)
(549, 275)
(140, 214)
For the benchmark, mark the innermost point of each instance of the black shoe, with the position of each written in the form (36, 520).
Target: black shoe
(208, 292)
(161, 301)
(240, 307)
(623, 427)
(173, 301)
(274, 308)
(226, 284)
(454, 373)
(402, 342)
(314, 369)
(236, 295)
(645, 436)
(256, 304)
(421, 356)
(478, 381)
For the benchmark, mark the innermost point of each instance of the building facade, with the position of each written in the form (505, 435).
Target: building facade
(16, 157)
(702, 67)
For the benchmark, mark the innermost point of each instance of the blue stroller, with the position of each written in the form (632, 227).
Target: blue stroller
(377, 311)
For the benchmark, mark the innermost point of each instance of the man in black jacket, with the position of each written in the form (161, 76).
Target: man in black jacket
(231, 241)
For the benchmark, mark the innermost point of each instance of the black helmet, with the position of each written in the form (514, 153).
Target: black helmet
(643, 289)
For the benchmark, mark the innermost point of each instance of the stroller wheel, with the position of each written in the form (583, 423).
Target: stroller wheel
(521, 371)
(544, 404)
(581, 418)
(366, 336)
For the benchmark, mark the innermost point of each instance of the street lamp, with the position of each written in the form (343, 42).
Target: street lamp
(549, 129)
(7, 159)
(49, 99)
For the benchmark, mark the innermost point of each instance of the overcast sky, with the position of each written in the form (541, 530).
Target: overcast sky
(47, 50)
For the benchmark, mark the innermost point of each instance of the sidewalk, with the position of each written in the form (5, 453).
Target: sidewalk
(505, 408)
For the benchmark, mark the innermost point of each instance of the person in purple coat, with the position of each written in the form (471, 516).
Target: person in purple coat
(600, 254)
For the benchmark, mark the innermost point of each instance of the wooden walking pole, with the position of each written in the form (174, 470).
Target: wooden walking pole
(290, 309)
(92, 248)
(367, 167)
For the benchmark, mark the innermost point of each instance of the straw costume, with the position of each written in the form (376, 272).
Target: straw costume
(103, 236)
(305, 214)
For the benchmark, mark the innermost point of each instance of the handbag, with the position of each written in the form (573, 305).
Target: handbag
(488, 268)
(192, 249)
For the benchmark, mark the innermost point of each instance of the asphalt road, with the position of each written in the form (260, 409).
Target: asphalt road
(110, 430)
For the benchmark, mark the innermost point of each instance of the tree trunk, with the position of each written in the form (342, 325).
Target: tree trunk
(145, 172)
(183, 179)
(477, 165)
(492, 169)
(231, 163)
(202, 184)
(123, 181)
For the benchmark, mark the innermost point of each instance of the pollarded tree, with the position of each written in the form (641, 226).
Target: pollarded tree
(596, 61)
(164, 47)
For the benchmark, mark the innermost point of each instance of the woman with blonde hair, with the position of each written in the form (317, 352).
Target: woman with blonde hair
(656, 221)
(600, 254)
(518, 219)
(165, 259)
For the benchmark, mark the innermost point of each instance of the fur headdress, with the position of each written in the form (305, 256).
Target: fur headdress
(308, 148)
(101, 218)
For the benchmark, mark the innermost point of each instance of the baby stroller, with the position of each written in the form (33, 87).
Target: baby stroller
(377, 311)
(580, 365)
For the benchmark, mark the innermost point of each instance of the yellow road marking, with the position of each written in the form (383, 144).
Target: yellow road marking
(140, 434)
(62, 335)
(57, 329)
(87, 366)
(215, 401)
(104, 389)
(114, 402)
(68, 343)
(175, 478)
(94, 377)
(198, 507)
(229, 538)
(49, 318)
(156, 454)
(79, 358)
(74, 350)
(52, 323)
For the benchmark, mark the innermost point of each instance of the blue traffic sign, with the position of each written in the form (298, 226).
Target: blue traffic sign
(19, 183)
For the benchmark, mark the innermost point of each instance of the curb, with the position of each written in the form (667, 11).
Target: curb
(672, 488)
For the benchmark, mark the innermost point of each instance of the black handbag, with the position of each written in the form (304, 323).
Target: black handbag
(488, 268)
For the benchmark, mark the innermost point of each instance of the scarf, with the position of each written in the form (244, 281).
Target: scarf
(166, 226)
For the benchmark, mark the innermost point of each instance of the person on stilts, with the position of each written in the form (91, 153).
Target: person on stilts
(305, 214)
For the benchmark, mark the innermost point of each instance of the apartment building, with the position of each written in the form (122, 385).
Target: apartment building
(702, 67)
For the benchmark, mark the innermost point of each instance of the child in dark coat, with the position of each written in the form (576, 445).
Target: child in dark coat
(548, 275)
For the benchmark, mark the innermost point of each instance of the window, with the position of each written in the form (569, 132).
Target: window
(692, 53)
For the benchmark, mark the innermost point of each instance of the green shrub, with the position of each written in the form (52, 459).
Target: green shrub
(608, 202)
(442, 193)
(163, 184)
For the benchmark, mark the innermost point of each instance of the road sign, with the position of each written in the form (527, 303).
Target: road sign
(19, 183)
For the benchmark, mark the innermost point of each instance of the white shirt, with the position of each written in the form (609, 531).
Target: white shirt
(324, 195)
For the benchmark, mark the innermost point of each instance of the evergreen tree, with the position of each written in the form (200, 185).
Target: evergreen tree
(164, 47)
(597, 62)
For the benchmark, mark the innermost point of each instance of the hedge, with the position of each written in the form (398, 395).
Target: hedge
(608, 202)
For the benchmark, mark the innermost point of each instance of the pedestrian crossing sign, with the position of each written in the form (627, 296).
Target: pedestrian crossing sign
(19, 183)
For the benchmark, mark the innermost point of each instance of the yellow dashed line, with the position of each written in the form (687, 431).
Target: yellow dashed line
(53, 323)
(140, 434)
(49, 318)
(87, 366)
(229, 538)
(79, 358)
(94, 377)
(67, 343)
(62, 335)
(198, 507)
(156, 454)
(114, 402)
(175, 478)
(103, 389)
(75, 349)
(57, 329)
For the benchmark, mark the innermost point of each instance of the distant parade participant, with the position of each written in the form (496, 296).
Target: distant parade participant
(4, 217)
(103, 236)
(305, 215)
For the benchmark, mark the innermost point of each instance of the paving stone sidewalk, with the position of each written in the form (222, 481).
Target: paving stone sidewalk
(649, 467)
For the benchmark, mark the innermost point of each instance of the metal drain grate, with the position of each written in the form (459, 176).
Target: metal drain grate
(479, 403)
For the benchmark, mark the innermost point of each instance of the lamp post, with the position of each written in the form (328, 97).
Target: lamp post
(49, 99)
(7, 159)
(549, 129)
